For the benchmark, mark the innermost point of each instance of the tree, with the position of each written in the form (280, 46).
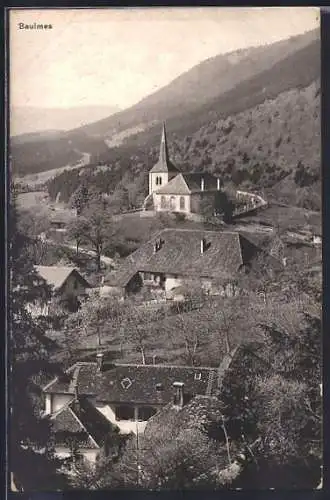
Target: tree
(273, 394)
(80, 199)
(134, 327)
(76, 230)
(97, 316)
(94, 226)
(32, 460)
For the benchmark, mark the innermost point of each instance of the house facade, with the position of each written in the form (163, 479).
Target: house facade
(67, 284)
(173, 191)
(127, 395)
(182, 257)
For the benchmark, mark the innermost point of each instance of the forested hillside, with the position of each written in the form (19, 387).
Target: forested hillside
(274, 146)
(46, 154)
(208, 81)
(215, 89)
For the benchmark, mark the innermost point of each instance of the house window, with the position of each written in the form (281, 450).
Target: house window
(162, 202)
(147, 276)
(198, 376)
(182, 204)
(145, 412)
(124, 412)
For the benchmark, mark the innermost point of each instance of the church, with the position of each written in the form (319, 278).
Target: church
(173, 191)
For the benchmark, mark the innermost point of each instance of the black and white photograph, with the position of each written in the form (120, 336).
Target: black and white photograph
(164, 249)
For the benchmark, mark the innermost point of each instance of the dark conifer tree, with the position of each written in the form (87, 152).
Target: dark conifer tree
(31, 461)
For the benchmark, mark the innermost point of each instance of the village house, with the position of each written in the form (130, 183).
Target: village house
(173, 191)
(127, 395)
(174, 257)
(67, 284)
(80, 430)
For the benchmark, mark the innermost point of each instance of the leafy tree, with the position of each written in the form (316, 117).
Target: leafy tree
(80, 199)
(134, 327)
(96, 316)
(273, 394)
(31, 455)
(94, 226)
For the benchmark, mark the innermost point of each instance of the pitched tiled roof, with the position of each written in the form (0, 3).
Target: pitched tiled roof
(56, 276)
(136, 383)
(189, 183)
(81, 421)
(180, 254)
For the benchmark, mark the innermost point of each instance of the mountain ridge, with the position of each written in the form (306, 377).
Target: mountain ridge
(203, 88)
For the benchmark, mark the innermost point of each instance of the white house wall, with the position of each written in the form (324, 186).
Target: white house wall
(125, 426)
(89, 454)
(172, 282)
(59, 400)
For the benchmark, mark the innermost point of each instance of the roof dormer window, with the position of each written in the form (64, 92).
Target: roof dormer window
(126, 383)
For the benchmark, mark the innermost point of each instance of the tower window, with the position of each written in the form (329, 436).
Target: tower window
(162, 202)
(160, 181)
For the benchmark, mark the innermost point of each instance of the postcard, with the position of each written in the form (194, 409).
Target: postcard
(165, 295)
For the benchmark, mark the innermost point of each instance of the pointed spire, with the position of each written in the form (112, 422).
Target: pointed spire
(163, 153)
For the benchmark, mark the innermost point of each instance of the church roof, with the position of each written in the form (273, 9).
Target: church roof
(188, 183)
(177, 185)
(164, 163)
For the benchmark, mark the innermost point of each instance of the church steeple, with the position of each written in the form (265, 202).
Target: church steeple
(163, 152)
(164, 164)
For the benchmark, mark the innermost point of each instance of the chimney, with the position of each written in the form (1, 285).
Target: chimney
(203, 245)
(158, 245)
(202, 184)
(178, 395)
(99, 361)
(218, 184)
(75, 389)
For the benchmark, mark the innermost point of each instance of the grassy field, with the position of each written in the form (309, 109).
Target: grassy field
(287, 217)
(38, 202)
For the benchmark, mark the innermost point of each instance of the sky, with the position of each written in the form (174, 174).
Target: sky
(115, 57)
